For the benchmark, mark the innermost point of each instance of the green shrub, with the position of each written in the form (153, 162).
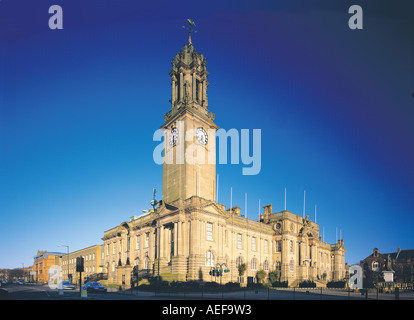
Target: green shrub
(280, 284)
(336, 284)
(307, 284)
(232, 285)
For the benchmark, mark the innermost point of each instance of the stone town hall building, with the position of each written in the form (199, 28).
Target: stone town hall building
(189, 232)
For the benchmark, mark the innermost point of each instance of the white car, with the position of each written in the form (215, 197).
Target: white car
(67, 285)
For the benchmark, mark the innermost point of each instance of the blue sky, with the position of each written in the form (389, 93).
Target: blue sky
(79, 106)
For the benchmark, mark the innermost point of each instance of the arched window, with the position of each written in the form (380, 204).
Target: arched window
(375, 266)
(291, 266)
(209, 259)
(277, 265)
(266, 265)
(253, 265)
(239, 261)
(147, 263)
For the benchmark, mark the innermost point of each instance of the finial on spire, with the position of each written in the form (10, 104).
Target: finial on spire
(190, 24)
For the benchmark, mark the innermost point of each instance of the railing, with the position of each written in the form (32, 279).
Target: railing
(263, 293)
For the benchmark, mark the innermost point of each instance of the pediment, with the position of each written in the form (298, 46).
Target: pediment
(214, 208)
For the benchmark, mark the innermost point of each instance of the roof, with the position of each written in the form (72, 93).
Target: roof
(47, 253)
(404, 254)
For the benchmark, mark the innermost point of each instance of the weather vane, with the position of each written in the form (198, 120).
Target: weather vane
(190, 24)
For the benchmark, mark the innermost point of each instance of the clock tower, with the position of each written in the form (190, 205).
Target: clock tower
(189, 167)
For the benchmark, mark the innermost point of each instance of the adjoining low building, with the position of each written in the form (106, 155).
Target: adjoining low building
(43, 261)
(92, 264)
(399, 265)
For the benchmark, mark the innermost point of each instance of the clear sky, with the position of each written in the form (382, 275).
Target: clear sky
(79, 107)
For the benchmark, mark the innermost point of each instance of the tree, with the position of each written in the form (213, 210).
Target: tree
(274, 275)
(242, 269)
(260, 275)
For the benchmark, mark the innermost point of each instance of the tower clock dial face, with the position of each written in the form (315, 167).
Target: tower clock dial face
(201, 136)
(173, 136)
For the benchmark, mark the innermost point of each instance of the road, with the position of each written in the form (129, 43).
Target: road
(43, 292)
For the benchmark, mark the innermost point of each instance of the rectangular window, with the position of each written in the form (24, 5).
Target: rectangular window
(209, 259)
(138, 240)
(266, 246)
(253, 243)
(278, 245)
(209, 231)
(147, 240)
(239, 241)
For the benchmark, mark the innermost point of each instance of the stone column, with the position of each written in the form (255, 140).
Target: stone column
(179, 238)
(205, 102)
(175, 238)
(161, 242)
(181, 83)
(200, 92)
(193, 87)
(173, 97)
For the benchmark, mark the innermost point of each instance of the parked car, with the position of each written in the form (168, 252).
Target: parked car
(20, 281)
(95, 287)
(67, 285)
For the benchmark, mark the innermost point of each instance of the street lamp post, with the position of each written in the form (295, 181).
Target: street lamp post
(219, 271)
(154, 203)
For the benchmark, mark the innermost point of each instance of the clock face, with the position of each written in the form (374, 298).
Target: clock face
(201, 136)
(277, 226)
(173, 136)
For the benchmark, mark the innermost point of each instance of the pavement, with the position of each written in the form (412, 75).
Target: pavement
(43, 292)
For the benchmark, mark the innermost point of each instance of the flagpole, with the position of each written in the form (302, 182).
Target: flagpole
(304, 199)
(245, 205)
